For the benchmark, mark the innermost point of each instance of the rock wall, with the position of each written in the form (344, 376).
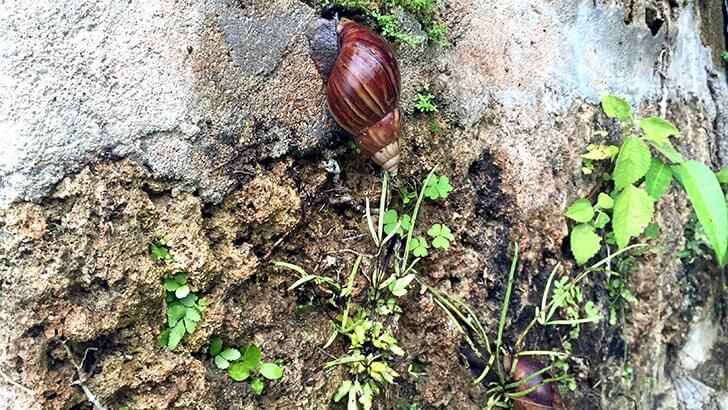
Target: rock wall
(122, 122)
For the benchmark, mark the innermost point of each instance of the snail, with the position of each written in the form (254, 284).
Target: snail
(362, 85)
(544, 397)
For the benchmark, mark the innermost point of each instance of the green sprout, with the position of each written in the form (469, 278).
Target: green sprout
(425, 102)
(245, 364)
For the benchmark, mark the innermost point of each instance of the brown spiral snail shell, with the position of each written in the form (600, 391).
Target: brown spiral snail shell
(363, 85)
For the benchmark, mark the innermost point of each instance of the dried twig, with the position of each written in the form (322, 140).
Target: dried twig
(12, 382)
(83, 376)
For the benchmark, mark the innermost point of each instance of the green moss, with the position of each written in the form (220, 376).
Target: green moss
(383, 15)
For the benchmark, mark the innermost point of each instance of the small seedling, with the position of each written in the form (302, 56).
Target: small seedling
(425, 102)
(161, 250)
(245, 364)
(184, 311)
(724, 55)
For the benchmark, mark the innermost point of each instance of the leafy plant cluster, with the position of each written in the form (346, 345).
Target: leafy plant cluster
(639, 179)
(383, 13)
(562, 304)
(425, 102)
(184, 311)
(184, 307)
(364, 323)
(245, 364)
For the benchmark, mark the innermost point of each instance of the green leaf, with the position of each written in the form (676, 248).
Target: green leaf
(664, 147)
(616, 107)
(441, 236)
(604, 201)
(271, 371)
(230, 354)
(658, 128)
(704, 192)
(251, 356)
(399, 286)
(239, 372)
(657, 179)
(633, 211)
(652, 230)
(164, 338)
(419, 246)
(257, 385)
(438, 187)
(391, 219)
(632, 163)
(189, 300)
(722, 176)
(170, 284)
(182, 292)
(342, 391)
(175, 312)
(176, 335)
(600, 152)
(160, 252)
(180, 278)
(580, 211)
(193, 314)
(601, 221)
(221, 363)
(584, 243)
(190, 325)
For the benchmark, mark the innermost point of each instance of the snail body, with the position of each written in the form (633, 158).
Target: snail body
(544, 396)
(362, 86)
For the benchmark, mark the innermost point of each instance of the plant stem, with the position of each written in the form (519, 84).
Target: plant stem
(504, 313)
(413, 220)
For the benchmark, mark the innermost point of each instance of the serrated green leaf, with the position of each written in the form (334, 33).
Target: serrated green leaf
(193, 314)
(252, 356)
(239, 372)
(600, 152)
(584, 243)
(215, 346)
(342, 391)
(230, 354)
(633, 211)
(180, 278)
(164, 338)
(175, 335)
(190, 325)
(175, 312)
(257, 385)
(605, 201)
(705, 194)
(170, 285)
(658, 128)
(602, 220)
(616, 107)
(580, 211)
(632, 163)
(221, 362)
(189, 300)
(657, 179)
(271, 371)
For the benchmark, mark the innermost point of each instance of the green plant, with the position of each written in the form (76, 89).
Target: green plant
(184, 311)
(364, 323)
(384, 13)
(438, 187)
(245, 364)
(639, 179)
(724, 55)
(161, 250)
(425, 102)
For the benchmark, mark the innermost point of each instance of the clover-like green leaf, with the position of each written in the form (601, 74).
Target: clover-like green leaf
(438, 187)
(441, 236)
(418, 247)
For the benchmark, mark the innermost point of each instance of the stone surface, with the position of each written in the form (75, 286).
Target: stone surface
(122, 122)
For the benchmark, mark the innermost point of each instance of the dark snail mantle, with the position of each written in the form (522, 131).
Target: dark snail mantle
(363, 84)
